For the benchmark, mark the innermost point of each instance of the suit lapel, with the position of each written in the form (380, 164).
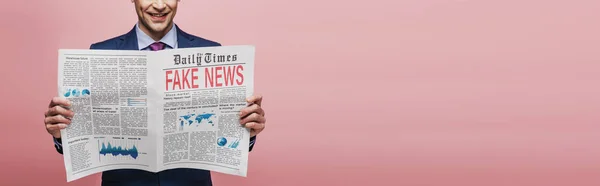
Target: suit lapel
(129, 41)
(184, 40)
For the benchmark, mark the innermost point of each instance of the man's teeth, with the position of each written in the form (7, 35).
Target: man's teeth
(158, 15)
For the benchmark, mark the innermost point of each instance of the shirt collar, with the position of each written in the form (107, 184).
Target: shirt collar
(170, 39)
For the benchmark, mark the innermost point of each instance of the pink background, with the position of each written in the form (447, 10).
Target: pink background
(389, 92)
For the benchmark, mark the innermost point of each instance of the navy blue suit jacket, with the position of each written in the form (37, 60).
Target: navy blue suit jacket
(173, 177)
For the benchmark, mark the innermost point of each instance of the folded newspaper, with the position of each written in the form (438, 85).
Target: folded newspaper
(156, 110)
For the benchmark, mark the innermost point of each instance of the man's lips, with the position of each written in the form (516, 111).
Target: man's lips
(158, 16)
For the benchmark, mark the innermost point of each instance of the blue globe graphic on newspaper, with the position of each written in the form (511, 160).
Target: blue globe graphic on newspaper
(75, 92)
(222, 141)
(68, 93)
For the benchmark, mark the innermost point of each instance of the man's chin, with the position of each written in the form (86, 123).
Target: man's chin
(158, 27)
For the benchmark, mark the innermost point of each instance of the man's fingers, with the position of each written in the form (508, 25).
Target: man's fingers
(59, 101)
(57, 119)
(255, 125)
(254, 117)
(55, 127)
(255, 99)
(251, 109)
(58, 110)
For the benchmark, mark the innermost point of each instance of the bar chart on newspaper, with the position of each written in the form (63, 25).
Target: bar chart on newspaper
(118, 150)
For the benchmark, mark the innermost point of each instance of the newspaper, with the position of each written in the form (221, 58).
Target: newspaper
(156, 110)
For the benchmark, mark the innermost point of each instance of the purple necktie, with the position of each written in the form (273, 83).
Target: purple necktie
(157, 46)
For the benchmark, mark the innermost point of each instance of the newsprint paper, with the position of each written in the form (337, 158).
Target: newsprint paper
(156, 110)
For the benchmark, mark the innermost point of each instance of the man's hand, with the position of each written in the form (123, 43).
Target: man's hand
(253, 116)
(58, 116)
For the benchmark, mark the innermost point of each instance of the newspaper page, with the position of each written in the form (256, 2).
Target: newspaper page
(156, 110)
(203, 93)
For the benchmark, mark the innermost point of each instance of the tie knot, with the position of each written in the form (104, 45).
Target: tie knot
(157, 46)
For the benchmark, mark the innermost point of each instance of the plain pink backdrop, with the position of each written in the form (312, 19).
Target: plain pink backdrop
(388, 92)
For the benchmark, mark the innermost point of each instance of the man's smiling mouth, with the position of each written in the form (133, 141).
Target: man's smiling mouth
(158, 14)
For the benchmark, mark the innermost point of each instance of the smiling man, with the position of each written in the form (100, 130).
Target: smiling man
(154, 30)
